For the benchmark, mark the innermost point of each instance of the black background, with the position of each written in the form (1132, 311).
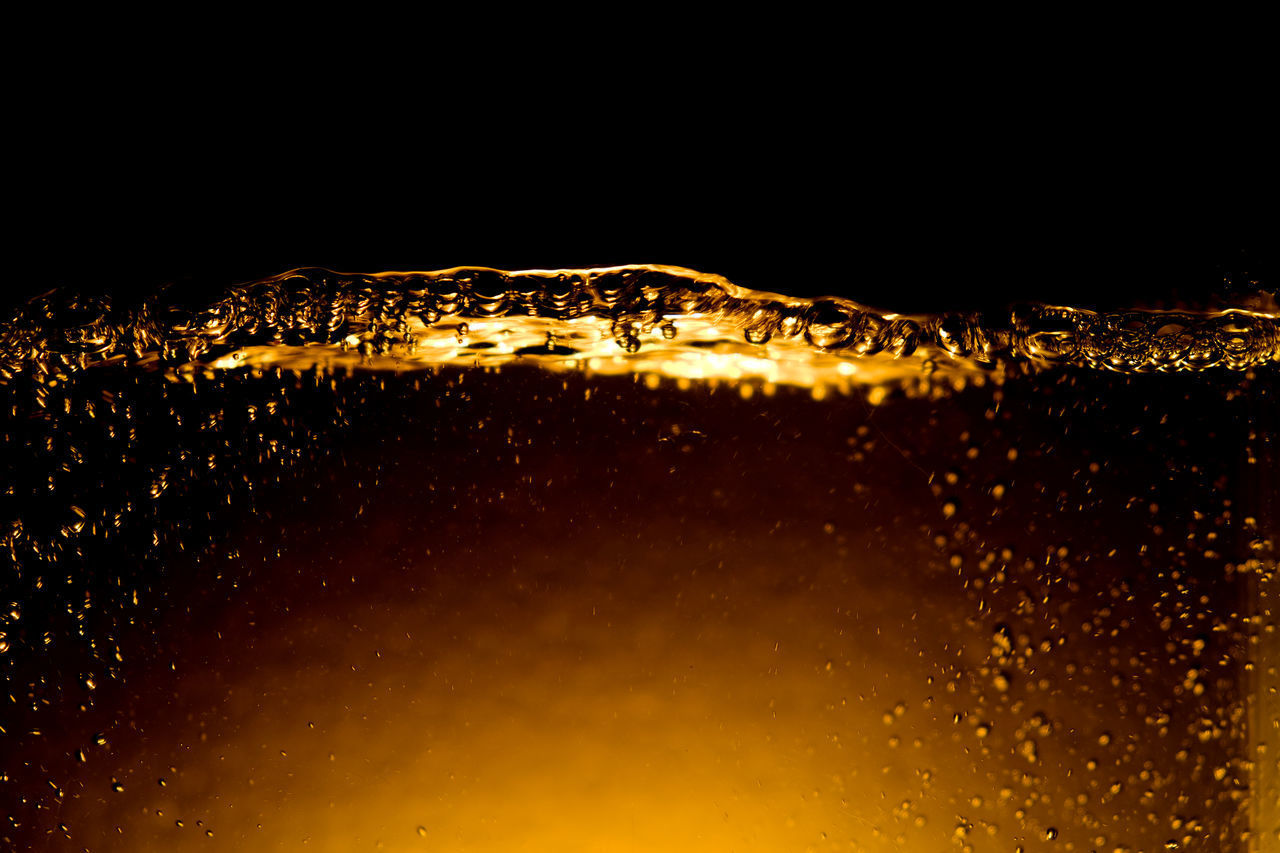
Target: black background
(909, 195)
(900, 254)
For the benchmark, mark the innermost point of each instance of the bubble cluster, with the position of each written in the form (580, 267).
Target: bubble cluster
(385, 312)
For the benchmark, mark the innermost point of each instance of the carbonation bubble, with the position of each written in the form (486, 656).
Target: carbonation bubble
(337, 557)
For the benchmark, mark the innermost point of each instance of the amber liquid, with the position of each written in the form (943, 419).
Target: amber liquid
(686, 608)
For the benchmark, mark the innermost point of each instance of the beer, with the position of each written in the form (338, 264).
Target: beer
(632, 559)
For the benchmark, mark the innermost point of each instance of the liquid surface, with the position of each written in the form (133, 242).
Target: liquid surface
(664, 318)
(313, 566)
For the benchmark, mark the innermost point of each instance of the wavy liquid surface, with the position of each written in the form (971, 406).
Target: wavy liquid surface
(286, 572)
(635, 319)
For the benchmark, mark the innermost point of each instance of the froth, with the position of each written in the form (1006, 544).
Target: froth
(629, 318)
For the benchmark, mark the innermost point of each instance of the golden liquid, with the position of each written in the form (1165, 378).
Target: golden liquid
(401, 563)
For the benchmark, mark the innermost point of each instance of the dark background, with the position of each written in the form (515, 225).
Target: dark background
(938, 241)
(929, 196)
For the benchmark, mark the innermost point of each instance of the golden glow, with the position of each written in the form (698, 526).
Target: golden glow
(573, 708)
(700, 351)
(684, 346)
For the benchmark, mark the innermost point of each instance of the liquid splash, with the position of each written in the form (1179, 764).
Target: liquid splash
(643, 319)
